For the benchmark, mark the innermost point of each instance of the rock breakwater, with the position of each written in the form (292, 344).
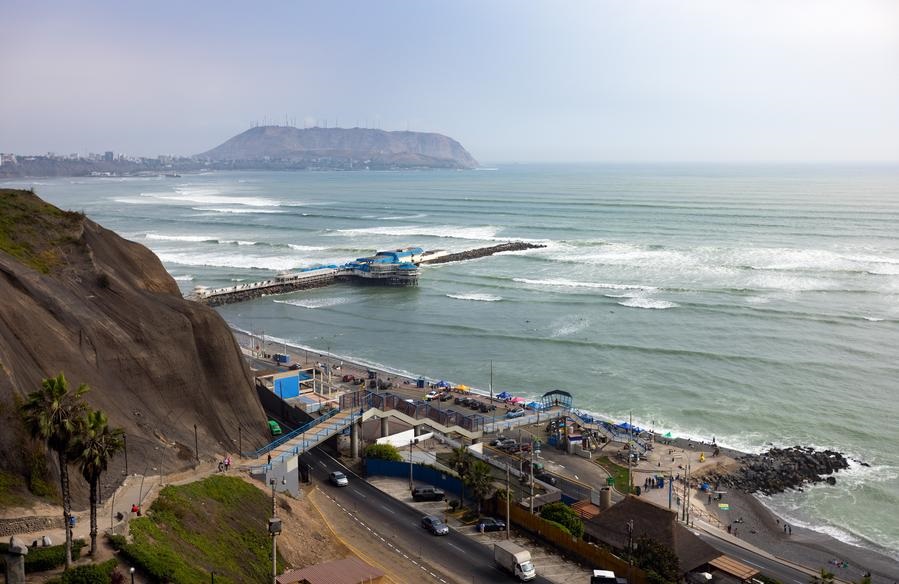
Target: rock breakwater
(483, 252)
(782, 469)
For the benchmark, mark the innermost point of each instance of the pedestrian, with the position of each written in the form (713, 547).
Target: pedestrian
(785, 526)
(269, 458)
(221, 466)
(228, 463)
(790, 529)
(710, 498)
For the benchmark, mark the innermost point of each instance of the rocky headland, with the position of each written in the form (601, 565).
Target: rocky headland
(351, 148)
(782, 469)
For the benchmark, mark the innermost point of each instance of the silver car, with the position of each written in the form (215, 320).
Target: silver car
(338, 479)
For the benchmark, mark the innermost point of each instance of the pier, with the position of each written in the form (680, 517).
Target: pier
(399, 267)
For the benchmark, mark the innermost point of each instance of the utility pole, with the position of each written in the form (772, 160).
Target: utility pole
(493, 405)
(531, 471)
(196, 445)
(508, 499)
(125, 442)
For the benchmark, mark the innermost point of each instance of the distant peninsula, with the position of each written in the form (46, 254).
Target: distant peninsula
(286, 146)
(264, 148)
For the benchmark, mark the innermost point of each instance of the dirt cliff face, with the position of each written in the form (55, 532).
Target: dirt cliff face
(77, 298)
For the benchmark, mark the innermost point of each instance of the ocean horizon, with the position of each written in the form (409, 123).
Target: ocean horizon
(754, 303)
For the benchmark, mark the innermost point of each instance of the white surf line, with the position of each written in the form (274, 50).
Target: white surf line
(389, 544)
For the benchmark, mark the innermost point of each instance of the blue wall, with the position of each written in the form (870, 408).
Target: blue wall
(287, 387)
(423, 474)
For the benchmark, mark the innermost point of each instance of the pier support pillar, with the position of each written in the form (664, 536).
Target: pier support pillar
(354, 440)
(385, 427)
(418, 430)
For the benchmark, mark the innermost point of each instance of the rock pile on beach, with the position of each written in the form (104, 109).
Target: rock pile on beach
(781, 469)
(483, 252)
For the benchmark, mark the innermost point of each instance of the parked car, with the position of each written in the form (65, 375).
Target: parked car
(427, 494)
(509, 445)
(498, 441)
(515, 414)
(432, 395)
(274, 428)
(446, 396)
(435, 525)
(474, 404)
(546, 478)
(491, 524)
(458, 400)
(338, 479)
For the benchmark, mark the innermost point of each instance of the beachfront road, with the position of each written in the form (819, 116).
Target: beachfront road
(771, 568)
(454, 558)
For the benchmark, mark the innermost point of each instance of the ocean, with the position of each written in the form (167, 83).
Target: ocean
(758, 305)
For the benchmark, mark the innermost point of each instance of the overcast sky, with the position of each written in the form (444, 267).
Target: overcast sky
(627, 80)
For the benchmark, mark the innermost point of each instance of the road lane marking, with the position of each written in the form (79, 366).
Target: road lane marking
(388, 509)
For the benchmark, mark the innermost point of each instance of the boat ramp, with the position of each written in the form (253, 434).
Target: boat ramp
(398, 267)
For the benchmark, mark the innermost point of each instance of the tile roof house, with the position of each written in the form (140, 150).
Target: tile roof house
(654, 522)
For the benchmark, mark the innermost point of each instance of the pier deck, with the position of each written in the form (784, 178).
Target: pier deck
(374, 270)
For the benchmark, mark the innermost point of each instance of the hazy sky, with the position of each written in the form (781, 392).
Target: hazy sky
(627, 80)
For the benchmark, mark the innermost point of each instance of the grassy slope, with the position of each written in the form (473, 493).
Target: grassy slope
(33, 231)
(220, 524)
(618, 472)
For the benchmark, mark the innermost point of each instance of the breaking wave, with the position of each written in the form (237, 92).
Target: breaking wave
(478, 297)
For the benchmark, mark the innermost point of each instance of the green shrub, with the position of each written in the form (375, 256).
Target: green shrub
(558, 525)
(562, 513)
(116, 541)
(90, 574)
(41, 559)
(383, 452)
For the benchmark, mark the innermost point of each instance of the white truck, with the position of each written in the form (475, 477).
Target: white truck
(514, 559)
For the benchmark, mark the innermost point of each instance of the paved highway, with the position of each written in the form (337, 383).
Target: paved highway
(454, 557)
(768, 567)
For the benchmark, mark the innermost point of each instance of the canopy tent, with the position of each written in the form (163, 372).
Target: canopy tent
(534, 405)
(630, 427)
(504, 395)
(518, 400)
(441, 383)
(463, 388)
(667, 435)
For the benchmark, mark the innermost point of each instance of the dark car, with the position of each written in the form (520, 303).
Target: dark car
(446, 396)
(491, 524)
(546, 478)
(474, 404)
(510, 445)
(427, 494)
(434, 524)
(458, 400)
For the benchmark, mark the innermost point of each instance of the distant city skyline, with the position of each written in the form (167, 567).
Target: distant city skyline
(583, 81)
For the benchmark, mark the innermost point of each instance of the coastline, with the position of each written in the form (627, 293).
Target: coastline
(761, 526)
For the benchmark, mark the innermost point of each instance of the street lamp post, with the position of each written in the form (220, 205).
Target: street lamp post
(131, 571)
(411, 487)
(274, 528)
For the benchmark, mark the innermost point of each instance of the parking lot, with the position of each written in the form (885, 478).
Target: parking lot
(549, 564)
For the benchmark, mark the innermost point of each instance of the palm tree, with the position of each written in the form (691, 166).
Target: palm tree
(54, 414)
(459, 461)
(479, 480)
(95, 447)
(824, 577)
